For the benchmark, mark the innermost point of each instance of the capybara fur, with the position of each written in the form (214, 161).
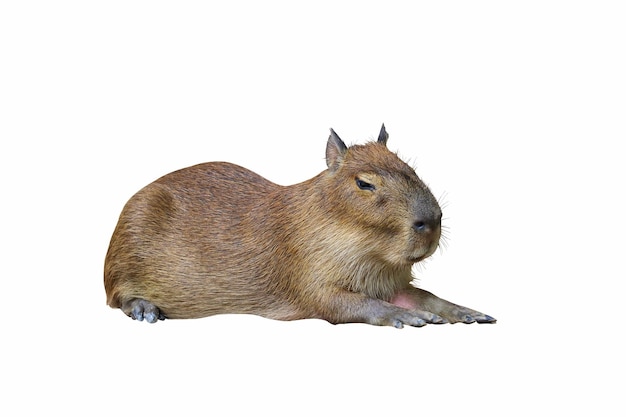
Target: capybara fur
(216, 238)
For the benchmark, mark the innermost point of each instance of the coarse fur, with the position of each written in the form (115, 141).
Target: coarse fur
(216, 238)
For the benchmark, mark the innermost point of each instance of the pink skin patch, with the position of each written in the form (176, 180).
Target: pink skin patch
(404, 300)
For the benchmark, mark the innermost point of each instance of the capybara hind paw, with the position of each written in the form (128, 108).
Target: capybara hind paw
(139, 309)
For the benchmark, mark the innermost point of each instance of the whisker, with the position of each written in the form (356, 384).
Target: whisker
(443, 240)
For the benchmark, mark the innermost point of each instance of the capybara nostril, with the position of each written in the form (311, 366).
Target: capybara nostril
(420, 226)
(427, 225)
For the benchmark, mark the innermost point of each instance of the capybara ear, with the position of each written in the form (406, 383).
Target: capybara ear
(383, 135)
(335, 150)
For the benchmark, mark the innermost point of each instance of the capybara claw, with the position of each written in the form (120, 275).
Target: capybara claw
(485, 319)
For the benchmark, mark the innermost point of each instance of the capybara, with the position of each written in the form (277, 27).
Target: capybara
(217, 238)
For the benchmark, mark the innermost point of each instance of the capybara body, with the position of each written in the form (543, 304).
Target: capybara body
(217, 238)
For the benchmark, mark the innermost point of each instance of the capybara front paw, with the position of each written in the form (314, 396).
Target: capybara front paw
(468, 316)
(410, 318)
(139, 309)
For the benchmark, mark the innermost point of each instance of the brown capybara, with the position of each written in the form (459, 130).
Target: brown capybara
(216, 238)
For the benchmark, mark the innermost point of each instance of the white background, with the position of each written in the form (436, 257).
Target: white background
(514, 113)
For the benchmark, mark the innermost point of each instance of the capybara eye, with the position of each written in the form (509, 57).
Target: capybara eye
(363, 185)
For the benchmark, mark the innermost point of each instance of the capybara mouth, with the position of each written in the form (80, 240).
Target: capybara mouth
(416, 259)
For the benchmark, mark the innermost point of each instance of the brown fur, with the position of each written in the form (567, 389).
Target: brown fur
(217, 238)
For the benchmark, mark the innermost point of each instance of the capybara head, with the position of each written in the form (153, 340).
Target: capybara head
(378, 192)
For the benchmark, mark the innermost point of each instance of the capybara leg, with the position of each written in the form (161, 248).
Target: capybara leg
(139, 309)
(353, 308)
(421, 300)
